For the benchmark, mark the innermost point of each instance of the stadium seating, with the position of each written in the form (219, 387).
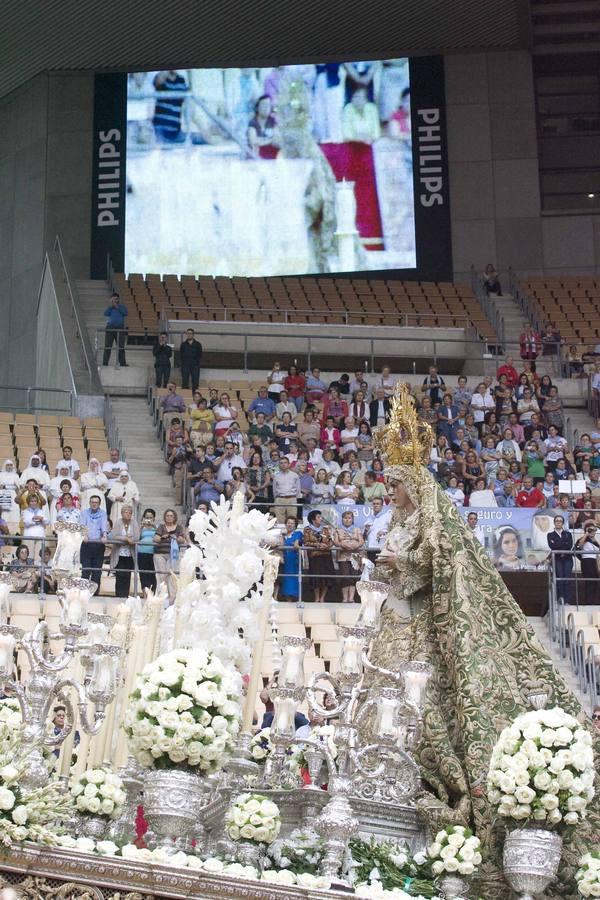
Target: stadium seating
(572, 304)
(22, 434)
(300, 300)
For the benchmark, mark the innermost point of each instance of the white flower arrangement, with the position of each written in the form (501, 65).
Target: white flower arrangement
(184, 712)
(300, 852)
(251, 817)
(10, 713)
(260, 745)
(542, 770)
(455, 851)
(98, 792)
(31, 815)
(587, 875)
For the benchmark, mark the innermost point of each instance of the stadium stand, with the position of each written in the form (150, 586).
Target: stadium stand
(572, 304)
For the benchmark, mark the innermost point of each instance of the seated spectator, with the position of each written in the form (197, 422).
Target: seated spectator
(530, 497)
(341, 385)
(448, 416)
(551, 340)
(237, 438)
(207, 489)
(377, 468)
(295, 384)
(491, 281)
(329, 463)
(507, 498)
(224, 414)
(176, 431)
(517, 429)
(315, 388)
(213, 398)
(48, 584)
(454, 493)
(260, 429)
(322, 490)
(349, 436)
(482, 496)
(169, 542)
(318, 540)
(334, 407)
(284, 405)
(555, 447)
(574, 362)
(123, 537)
(21, 568)
(503, 396)
(490, 457)
(536, 430)
(508, 448)
(553, 410)
(428, 413)
(201, 423)
(473, 471)
(25, 493)
(172, 401)
(357, 383)
(34, 470)
(348, 541)
(66, 511)
(432, 387)
(359, 408)
(315, 454)
(514, 472)
(527, 406)
(564, 470)
(330, 435)
(584, 450)
(59, 486)
(508, 370)
(345, 491)
(285, 432)
(228, 462)
(547, 486)
(379, 409)
(125, 491)
(309, 427)
(529, 370)
(262, 404)
(71, 464)
(372, 488)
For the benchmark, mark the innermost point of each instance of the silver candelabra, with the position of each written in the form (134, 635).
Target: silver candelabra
(46, 683)
(377, 716)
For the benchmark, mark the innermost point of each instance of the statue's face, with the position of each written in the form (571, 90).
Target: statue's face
(398, 493)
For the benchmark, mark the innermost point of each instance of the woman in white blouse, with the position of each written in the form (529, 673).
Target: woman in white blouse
(482, 402)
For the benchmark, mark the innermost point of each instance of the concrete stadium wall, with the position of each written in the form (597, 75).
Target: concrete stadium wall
(45, 189)
(494, 179)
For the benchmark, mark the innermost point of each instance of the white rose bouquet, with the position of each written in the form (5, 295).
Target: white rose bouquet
(587, 875)
(542, 770)
(301, 851)
(98, 792)
(10, 713)
(251, 817)
(455, 851)
(184, 712)
(260, 745)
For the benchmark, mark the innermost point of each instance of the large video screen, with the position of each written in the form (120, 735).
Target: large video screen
(289, 170)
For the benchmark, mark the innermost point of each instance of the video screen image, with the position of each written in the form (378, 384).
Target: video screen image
(290, 170)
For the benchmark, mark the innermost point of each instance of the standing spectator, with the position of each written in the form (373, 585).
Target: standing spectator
(482, 496)
(491, 281)
(334, 407)
(433, 385)
(386, 381)
(306, 482)
(124, 492)
(318, 541)
(379, 409)
(315, 387)
(9, 483)
(588, 551)
(290, 573)
(145, 550)
(225, 415)
(21, 568)
(455, 494)
(34, 521)
(283, 405)
(112, 469)
(275, 379)
(177, 459)
(345, 491)
(348, 436)
(172, 402)
(201, 421)
(260, 431)
(262, 404)
(530, 344)
(169, 540)
(330, 435)
(228, 462)
(116, 329)
(508, 369)
(482, 402)
(462, 395)
(349, 541)
(258, 480)
(309, 428)
(530, 497)
(377, 528)
(92, 549)
(123, 537)
(560, 541)
(286, 490)
(295, 385)
(208, 490)
(357, 382)
(162, 360)
(68, 462)
(286, 432)
(190, 356)
(447, 416)
(359, 408)
(554, 410)
(555, 447)
(475, 527)
(66, 511)
(364, 442)
(551, 340)
(168, 106)
(93, 482)
(527, 406)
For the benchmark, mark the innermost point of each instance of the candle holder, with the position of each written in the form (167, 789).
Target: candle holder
(46, 684)
(375, 727)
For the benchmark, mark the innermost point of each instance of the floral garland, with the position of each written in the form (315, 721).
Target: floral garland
(300, 852)
(587, 875)
(184, 712)
(98, 792)
(252, 817)
(542, 770)
(378, 866)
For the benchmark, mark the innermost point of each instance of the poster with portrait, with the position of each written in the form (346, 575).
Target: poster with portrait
(515, 539)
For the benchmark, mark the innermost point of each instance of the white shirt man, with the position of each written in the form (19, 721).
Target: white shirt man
(68, 462)
(286, 490)
(229, 461)
(378, 526)
(113, 468)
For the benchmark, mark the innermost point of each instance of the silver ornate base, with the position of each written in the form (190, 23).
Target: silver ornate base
(91, 826)
(453, 887)
(531, 859)
(173, 801)
(249, 853)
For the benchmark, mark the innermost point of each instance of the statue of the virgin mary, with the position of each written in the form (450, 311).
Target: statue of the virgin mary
(449, 606)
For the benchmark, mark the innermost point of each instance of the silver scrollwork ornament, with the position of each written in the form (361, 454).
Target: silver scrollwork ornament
(173, 800)
(531, 859)
(453, 887)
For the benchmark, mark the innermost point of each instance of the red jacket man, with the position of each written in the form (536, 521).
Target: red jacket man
(508, 369)
(530, 343)
(530, 497)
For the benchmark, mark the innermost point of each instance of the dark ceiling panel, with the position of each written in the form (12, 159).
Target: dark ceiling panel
(38, 35)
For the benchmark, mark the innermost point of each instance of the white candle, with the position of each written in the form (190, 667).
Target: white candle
(371, 601)
(271, 566)
(351, 658)
(415, 683)
(97, 633)
(7, 650)
(4, 603)
(291, 674)
(385, 724)
(102, 681)
(284, 716)
(75, 608)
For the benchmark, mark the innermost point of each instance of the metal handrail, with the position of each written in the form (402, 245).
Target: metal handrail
(592, 662)
(88, 357)
(31, 405)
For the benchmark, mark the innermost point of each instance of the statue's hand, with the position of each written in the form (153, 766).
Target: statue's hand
(387, 558)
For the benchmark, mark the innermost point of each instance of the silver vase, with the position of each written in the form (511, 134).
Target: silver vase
(173, 800)
(249, 853)
(122, 828)
(453, 886)
(91, 826)
(531, 859)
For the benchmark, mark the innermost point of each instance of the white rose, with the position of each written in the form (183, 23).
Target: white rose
(107, 848)
(77, 789)
(93, 804)
(548, 737)
(434, 850)
(90, 790)
(549, 801)
(212, 864)
(247, 831)
(467, 853)
(524, 795)
(86, 845)
(457, 840)
(554, 817)
(542, 780)
(466, 868)
(571, 818)
(438, 867)
(7, 799)
(268, 808)
(19, 815)
(108, 791)
(451, 864)
(9, 773)
(107, 807)
(448, 852)
(234, 832)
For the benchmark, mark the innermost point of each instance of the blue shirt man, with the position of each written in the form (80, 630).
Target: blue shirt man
(95, 521)
(92, 548)
(116, 313)
(116, 329)
(263, 404)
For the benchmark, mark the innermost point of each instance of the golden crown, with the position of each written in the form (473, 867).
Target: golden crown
(407, 439)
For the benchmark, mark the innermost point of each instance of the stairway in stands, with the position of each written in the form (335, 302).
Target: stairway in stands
(561, 665)
(143, 454)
